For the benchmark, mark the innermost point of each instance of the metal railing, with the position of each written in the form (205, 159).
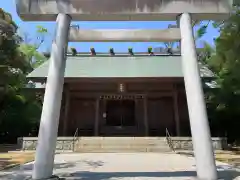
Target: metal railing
(75, 137)
(169, 140)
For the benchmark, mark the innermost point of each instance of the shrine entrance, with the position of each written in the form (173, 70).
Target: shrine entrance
(120, 113)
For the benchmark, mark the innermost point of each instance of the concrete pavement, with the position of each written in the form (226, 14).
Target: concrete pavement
(122, 166)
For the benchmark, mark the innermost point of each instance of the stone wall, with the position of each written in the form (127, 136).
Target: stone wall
(68, 143)
(30, 143)
(185, 143)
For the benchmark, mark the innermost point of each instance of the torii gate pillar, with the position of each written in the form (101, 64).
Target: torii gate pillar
(201, 137)
(47, 137)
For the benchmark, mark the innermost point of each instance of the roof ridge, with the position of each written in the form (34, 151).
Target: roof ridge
(121, 55)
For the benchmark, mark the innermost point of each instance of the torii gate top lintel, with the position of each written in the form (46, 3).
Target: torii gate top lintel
(123, 10)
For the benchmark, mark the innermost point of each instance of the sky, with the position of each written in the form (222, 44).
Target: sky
(30, 29)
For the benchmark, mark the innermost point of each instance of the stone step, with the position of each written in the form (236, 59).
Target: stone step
(119, 145)
(122, 144)
(121, 150)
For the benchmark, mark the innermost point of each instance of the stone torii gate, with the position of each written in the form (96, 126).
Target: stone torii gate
(64, 11)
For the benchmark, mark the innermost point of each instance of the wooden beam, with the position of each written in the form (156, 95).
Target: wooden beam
(123, 80)
(97, 94)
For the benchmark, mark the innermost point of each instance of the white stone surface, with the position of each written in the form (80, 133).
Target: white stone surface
(124, 35)
(122, 10)
(122, 166)
(48, 130)
(201, 137)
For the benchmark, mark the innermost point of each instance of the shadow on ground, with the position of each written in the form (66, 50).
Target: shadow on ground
(91, 164)
(84, 175)
(226, 175)
(5, 162)
(24, 171)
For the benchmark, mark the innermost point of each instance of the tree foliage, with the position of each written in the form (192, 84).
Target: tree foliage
(19, 108)
(30, 47)
(224, 61)
(223, 102)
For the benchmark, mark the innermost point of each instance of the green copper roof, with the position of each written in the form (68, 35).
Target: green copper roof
(120, 67)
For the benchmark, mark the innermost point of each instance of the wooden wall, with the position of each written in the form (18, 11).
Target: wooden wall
(160, 106)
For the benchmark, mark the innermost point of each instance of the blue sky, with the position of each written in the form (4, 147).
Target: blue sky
(30, 28)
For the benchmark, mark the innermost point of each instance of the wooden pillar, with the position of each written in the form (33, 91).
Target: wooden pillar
(145, 115)
(136, 114)
(66, 109)
(176, 111)
(96, 126)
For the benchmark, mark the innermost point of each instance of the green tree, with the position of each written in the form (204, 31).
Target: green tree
(224, 61)
(201, 31)
(19, 109)
(30, 47)
(12, 63)
(223, 102)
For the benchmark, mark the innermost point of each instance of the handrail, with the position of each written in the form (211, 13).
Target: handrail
(75, 134)
(169, 140)
(75, 138)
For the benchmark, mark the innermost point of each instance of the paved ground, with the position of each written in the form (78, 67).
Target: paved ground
(122, 166)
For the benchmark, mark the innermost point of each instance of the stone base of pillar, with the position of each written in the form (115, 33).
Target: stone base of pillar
(50, 178)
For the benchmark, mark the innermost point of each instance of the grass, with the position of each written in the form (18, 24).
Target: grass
(12, 159)
(230, 157)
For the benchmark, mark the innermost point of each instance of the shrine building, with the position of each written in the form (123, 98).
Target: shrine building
(122, 95)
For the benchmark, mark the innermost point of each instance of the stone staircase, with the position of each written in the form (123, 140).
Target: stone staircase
(121, 144)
